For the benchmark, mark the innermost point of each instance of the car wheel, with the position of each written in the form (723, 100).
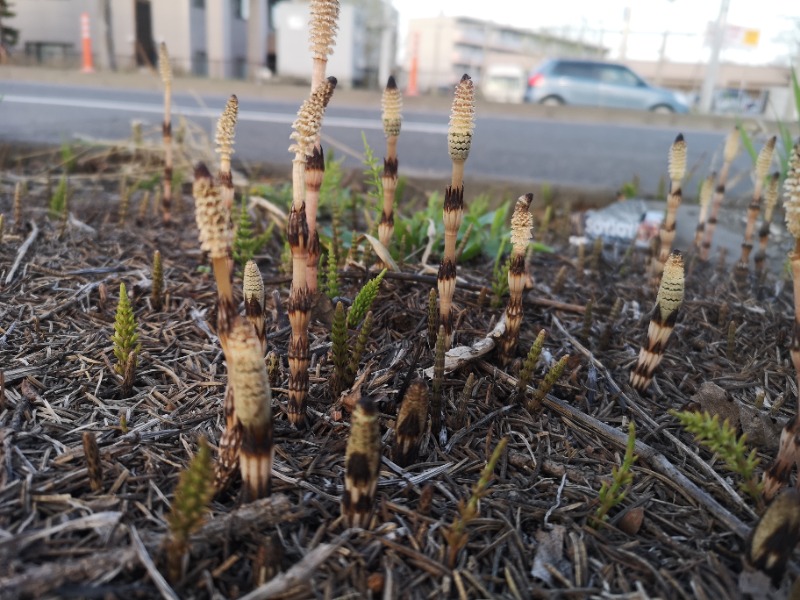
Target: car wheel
(663, 109)
(552, 101)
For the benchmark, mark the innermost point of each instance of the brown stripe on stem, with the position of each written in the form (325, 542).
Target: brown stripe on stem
(229, 444)
(446, 283)
(315, 172)
(662, 321)
(389, 181)
(729, 153)
(362, 465)
(299, 311)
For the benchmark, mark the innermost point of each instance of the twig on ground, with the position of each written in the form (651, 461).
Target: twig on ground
(23, 250)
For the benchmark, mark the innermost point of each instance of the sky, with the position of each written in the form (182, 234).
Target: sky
(601, 21)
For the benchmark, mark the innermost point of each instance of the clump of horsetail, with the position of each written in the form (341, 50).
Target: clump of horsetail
(433, 319)
(662, 321)
(706, 189)
(770, 200)
(608, 330)
(550, 379)
(362, 465)
(253, 408)
(456, 535)
(94, 466)
(253, 287)
(460, 418)
(459, 140)
(224, 138)
(165, 69)
(391, 102)
(411, 422)
(332, 274)
(125, 340)
(16, 210)
(521, 224)
(526, 372)
(621, 479)
(762, 168)
(437, 405)
(789, 446)
(157, 291)
(304, 136)
(731, 149)
(189, 505)
(775, 536)
(358, 348)
(677, 171)
(339, 351)
(720, 437)
(364, 299)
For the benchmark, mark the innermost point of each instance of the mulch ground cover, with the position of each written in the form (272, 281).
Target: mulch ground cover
(680, 531)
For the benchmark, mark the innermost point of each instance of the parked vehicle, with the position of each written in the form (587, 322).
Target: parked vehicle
(603, 84)
(504, 83)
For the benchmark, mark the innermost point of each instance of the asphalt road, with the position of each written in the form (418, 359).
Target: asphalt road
(513, 147)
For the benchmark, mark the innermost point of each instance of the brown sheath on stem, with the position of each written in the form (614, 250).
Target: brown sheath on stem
(229, 443)
(362, 464)
(315, 171)
(677, 170)
(728, 154)
(411, 422)
(762, 167)
(662, 321)
(521, 224)
(93, 464)
(775, 536)
(247, 373)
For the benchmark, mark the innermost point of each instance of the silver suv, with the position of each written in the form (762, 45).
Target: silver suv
(591, 83)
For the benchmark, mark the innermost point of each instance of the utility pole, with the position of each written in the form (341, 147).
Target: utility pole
(712, 70)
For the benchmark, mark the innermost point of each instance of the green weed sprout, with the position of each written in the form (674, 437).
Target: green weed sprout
(721, 439)
(245, 243)
(332, 272)
(194, 492)
(500, 276)
(58, 201)
(621, 479)
(339, 354)
(125, 338)
(157, 293)
(456, 535)
(372, 172)
(364, 299)
(529, 365)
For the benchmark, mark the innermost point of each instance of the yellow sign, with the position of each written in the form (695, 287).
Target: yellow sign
(750, 38)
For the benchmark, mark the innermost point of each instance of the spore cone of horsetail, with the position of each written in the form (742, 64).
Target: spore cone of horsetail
(252, 401)
(309, 119)
(362, 464)
(462, 125)
(521, 225)
(677, 171)
(775, 536)
(391, 103)
(411, 422)
(226, 132)
(770, 201)
(763, 162)
(322, 35)
(214, 225)
(706, 189)
(253, 287)
(165, 69)
(662, 321)
(125, 338)
(730, 150)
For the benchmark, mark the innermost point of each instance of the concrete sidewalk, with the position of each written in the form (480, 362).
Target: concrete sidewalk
(277, 89)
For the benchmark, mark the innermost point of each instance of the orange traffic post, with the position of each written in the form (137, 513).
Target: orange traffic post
(86, 39)
(411, 88)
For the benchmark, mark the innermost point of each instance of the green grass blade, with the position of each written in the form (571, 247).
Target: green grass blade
(747, 141)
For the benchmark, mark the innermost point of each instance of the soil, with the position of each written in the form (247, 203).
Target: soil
(680, 531)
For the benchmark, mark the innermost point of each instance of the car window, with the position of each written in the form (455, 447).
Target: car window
(575, 69)
(618, 76)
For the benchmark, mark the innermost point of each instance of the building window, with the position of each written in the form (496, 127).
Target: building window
(200, 64)
(201, 4)
(239, 8)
